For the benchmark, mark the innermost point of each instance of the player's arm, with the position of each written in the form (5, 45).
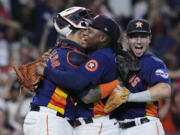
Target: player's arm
(99, 92)
(76, 79)
(160, 91)
(68, 79)
(160, 86)
(154, 93)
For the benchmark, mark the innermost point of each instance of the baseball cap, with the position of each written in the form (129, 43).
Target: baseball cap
(138, 26)
(107, 25)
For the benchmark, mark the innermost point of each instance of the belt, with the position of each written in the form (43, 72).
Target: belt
(37, 109)
(86, 121)
(130, 124)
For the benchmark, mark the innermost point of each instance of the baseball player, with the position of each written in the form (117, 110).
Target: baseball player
(140, 114)
(52, 108)
(99, 68)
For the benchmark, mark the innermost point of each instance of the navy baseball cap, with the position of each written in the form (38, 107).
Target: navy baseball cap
(107, 25)
(138, 26)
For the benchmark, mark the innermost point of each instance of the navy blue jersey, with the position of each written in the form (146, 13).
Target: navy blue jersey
(153, 71)
(99, 68)
(67, 56)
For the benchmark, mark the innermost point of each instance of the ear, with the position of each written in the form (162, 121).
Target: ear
(103, 38)
(125, 38)
(150, 37)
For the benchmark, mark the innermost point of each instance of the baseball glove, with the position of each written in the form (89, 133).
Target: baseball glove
(27, 75)
(127, 66)
(117, 98)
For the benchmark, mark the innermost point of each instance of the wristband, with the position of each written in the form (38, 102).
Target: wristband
(143, 96)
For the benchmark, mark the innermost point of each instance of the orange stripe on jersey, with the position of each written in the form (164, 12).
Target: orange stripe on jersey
(67, 47)
(67, 57)
(99, 109)
(53, 102)
(74, 50)
(58, 100)
(151, 109)
(107, 88)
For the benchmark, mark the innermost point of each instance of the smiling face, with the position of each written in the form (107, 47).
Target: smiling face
(139, 43)
(93, 36)
(95, 39)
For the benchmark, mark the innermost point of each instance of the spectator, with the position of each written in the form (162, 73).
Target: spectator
(13, 106)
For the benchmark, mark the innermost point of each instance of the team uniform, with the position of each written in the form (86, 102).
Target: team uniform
(52, 108)
(100, 68)
(142, 118)
(91, 118)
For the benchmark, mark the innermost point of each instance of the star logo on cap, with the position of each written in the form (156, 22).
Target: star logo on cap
(139, 24)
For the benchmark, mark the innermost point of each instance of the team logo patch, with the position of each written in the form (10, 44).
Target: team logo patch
(91, 65)
(162, 72)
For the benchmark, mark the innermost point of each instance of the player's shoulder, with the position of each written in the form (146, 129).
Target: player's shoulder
(151, 62)
(103, 51)
(104, 54)
(150, 58)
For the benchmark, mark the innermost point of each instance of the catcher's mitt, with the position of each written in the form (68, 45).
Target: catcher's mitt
(27, 75)
(127, 66)
(117, 98)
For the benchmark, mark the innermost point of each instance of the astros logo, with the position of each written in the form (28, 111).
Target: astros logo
(139, 24)
(91, 65)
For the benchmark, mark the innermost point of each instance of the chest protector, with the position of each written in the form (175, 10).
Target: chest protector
(75, 57)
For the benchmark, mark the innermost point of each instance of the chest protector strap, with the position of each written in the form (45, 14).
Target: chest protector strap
(75, 57)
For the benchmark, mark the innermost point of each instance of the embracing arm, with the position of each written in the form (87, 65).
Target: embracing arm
(100, 92)
(67, 79)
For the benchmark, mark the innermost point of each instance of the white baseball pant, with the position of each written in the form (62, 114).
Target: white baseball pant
(153, 127)
(46, 122)
(99, 126)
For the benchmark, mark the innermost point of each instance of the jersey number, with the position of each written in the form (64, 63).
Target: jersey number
(55, 62)
(134, 80)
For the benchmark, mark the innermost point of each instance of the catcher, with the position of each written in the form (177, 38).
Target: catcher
(52, 109)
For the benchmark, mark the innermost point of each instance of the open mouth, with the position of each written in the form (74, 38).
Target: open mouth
(138, 50)
(138, 47)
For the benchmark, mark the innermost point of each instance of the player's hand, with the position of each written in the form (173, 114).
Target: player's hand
(40, 68)
(46, 55)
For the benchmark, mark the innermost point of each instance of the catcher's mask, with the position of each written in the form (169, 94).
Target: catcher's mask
(72, 18)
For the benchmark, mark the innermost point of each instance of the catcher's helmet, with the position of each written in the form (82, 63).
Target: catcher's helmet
(70, 18)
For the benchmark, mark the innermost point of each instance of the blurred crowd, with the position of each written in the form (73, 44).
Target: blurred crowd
(26, 31)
